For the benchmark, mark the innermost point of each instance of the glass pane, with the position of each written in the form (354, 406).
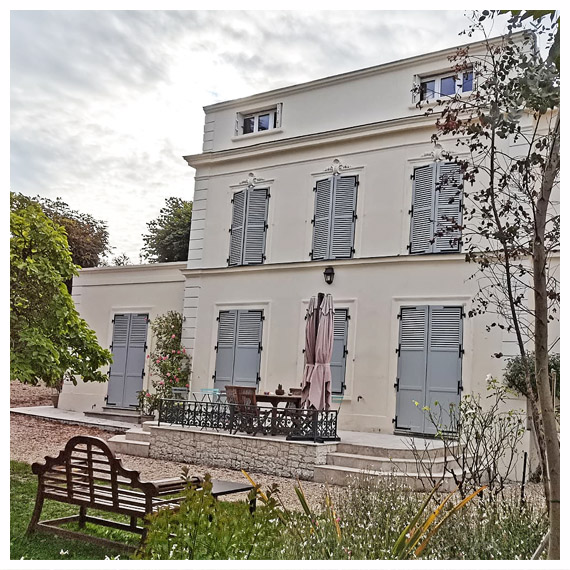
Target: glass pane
(467, 81)
(448, 85)
(248, 124)
(427, 89)
(263, 123)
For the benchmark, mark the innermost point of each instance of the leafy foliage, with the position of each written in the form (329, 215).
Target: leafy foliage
(204, 528)
(515, 373)
(88, 238)
(169, 363)
(168, 235)
(481, 439)
(48, 339)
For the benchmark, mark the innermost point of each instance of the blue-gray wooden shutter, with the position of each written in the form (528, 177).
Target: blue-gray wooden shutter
(225, 349)
(255, 226)
(443, 381)
(237, 228)
(412, 361)
(135, 359)
(343, 217)
(422, 223)
(322, 219)
(248, 348)
(119, 349)
(448, 208)
(338, 358)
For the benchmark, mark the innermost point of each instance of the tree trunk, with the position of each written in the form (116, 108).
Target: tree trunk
(541, 344)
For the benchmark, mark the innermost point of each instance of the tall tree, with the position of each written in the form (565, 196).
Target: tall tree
(87, 237)
(169, 234)
(48, 340)
(508, 144)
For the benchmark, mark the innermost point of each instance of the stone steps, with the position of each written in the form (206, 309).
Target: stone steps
(336, 475)
(135, 441)
(384, 464)
(351, 461)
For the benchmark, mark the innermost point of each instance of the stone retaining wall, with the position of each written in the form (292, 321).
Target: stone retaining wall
(263, 454)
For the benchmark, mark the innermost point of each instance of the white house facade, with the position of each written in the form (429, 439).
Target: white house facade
(337, 176)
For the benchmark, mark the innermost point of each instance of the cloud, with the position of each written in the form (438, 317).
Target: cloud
(104, 104)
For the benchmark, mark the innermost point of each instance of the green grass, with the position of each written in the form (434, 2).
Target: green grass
(40, 546)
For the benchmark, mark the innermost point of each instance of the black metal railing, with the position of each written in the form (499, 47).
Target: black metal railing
(295, 423)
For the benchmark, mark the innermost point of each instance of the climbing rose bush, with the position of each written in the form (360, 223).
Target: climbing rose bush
(170, 366)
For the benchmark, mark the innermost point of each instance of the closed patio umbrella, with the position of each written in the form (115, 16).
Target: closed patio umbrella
(317, 385)
(310, 341)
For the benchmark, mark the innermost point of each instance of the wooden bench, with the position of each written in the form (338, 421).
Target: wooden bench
(87, 474)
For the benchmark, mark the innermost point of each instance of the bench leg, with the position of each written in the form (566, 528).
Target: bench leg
(82, 516)
(36, 514)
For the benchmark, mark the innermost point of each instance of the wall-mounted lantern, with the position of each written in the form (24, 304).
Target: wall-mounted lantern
(329, 275)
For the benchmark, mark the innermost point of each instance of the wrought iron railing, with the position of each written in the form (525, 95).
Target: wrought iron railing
(294, 423)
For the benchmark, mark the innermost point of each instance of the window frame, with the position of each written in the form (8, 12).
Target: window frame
(274, 112)
(334, 184)
(459, 79)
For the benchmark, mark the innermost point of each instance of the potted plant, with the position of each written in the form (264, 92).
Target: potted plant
(57, 386)
(280, 390)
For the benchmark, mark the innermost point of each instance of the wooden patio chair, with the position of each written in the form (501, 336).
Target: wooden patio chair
(245, 414)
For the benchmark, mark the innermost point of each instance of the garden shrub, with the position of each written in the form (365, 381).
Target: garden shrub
(515, 377)
(170, 366)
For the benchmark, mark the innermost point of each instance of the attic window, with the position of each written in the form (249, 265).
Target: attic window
(445, 85)
(258, 121)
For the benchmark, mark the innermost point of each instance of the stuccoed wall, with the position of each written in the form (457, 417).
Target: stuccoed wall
(271, 456)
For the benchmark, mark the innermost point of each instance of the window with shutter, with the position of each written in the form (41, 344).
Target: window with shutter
(436, 213)
(128, 348)
(429, 367)
(249, 226)
(335, 216)
(338, 358)
(239, 348)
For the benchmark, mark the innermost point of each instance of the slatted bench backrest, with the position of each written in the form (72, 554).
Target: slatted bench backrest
(87, 473)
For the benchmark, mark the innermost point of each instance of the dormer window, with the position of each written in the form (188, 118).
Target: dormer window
(258, 121)
(445, 85)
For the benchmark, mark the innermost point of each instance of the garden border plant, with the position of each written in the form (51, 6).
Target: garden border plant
(482, 440)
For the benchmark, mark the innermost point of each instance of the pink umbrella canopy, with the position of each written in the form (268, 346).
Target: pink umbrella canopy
(319, 331)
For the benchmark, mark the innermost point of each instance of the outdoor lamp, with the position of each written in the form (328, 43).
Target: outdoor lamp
(329, 275)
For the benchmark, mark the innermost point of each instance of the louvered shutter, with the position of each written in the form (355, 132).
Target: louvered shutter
(237, 229)
(322, 219)
(412, 360)
(118, 367)
(338, 358)
(135, 359)
(443, 379)
(343, 218)
(248, 348)
(227, 322)
(421, 234)
(448, 210)
(255, 226)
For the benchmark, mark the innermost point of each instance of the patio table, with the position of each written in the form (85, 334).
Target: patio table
(275, 400)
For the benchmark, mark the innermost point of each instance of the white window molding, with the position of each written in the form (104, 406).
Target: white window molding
(257, 121)
(430, 87)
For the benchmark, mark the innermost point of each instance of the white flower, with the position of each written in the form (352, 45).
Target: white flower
(63, 552)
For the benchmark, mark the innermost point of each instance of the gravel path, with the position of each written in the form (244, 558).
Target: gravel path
(31, 439)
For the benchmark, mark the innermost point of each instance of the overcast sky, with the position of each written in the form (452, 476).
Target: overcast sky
(104, 104)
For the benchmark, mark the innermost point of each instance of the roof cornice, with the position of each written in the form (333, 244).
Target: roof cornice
(313, 139)
(348, 76)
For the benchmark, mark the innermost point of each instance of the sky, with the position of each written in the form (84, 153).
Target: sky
(104, 104)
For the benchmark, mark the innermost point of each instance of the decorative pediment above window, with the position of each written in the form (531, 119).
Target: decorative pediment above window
(252, 181)
(336, 168)
(437, 154)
